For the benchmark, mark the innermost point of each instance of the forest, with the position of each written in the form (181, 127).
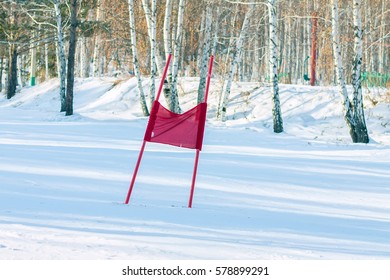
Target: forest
(320, 43)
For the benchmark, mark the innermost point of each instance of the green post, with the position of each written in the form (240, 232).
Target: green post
(32, 81)
(33, 65)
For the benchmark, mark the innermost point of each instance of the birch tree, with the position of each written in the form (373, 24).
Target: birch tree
(235, 61)
(353, 113)
(273, 63)
(133, 41)
(96, 65)
(150, 14)
(167, 28)
(168, 50)
(61, 54)
(205, 55)
(360, 134)
(179, 33)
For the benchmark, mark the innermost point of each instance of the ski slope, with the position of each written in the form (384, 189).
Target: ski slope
(307, 193)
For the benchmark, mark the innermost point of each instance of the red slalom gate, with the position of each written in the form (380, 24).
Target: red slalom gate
(182, 130)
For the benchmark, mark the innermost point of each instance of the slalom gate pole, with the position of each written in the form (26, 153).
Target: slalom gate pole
(208, 78)
(194, 178)
(135, 172)
(144, 142)
(197, 150)
(163, 76)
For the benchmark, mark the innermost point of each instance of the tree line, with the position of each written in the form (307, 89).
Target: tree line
(267, 41)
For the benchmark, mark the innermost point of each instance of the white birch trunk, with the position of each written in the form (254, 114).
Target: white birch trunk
(150, 14)
(273, 62)
(84, 63)
(367, 31)
(20, 70)
(289, 50)
(46, 49)
(176, 58)
(151, 24)
(33, 68)
(381, 51)
(61, 54)
(167, 28)
(135, 58)
(97, 59)
(235, 61)
(168, 50)
(205, 55)
(347, 106)
(338, 59)
(227, 56)
(360, 133)
(215, 31)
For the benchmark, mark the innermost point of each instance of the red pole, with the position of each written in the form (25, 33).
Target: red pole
(313, 49)
(163, 76)
(208, 78)
(194, 178)
(135, 172)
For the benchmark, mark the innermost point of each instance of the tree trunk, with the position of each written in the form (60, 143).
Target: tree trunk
(235, 61)
(84, 61)
(382, 47)
(97, 67)
(33, 68)
(71, 58)
(205, 55)
(347, 105)
(313, 57)
(273, 56)
(1, 73)
(179, 33)
(46, 48)
(133, 40)
(151, 22)
(360, 134)
(168, 50)
(167, 28)
(61, 54)
(12, 71)
(150, 14)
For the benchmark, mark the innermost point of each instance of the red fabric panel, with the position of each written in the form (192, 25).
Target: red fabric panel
(182, 130)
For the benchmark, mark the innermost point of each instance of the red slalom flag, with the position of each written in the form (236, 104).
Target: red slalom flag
(182, 130)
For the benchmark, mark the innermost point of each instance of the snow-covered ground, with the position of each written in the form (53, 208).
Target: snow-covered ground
(307, 193)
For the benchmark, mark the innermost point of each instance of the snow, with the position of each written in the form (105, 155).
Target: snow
(307, 193)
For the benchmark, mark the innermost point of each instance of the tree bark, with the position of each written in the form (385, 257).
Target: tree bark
(133, 40)
(235, 61)
(205, 55)
(273, 56)
(46, 49)
(353, 113)
(61, 55)
(150, 14)
(84, 61)
(12, 71)
(178, 39)
(360, 134)
(97, 67)
(151, 21)
(168, 50)
(1, 73)
(71, 58)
